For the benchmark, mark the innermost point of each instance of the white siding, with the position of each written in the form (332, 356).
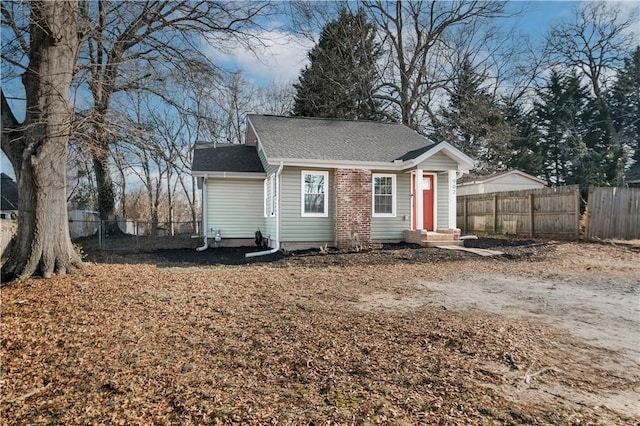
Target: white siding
(235, 207)
(512, 182)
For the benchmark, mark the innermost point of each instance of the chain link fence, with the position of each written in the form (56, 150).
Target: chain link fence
(93, 234)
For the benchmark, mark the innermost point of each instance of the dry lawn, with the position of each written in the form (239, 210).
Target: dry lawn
(337, 339)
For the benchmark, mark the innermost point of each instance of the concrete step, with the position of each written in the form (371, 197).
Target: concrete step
(436, 236)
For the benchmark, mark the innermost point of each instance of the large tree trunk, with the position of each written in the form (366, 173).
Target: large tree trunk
(106, 192)
(43, 245)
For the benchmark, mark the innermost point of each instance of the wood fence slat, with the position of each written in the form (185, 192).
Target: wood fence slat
(613, 213)
(549, 212)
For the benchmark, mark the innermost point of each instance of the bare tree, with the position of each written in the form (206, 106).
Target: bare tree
(274, 100)
(596, 43)
(228, 103)
(38, 147)
(81, 189)
(307, 18)
(414, 36)
(169, 141)
(136, 46)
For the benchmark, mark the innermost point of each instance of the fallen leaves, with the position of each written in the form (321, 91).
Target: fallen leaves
(286, 343)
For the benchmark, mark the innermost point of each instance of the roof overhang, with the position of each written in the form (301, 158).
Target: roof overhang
(227, 175)
(250, 125)
(338, 164)
(464, 161)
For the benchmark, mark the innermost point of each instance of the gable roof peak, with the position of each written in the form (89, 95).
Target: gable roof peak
(346, 120)
(329, 139)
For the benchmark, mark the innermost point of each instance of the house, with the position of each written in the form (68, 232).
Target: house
(512, 180)
(307, 182)
(632, 177)
(83, 223)
(8, 197)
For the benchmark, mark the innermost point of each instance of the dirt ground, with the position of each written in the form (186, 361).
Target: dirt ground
(548, 333)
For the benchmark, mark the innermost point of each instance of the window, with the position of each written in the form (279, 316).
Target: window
(274, 195)
(314, 194)
(384, 195)
(270, 196)
(266, 197)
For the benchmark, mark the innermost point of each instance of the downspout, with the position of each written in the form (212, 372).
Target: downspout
(204, 215)
(277, 245)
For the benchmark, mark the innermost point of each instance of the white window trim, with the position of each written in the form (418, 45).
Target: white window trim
(270, 196)
(266, 196)
(326, 193)
(373, 195)
(274, 194)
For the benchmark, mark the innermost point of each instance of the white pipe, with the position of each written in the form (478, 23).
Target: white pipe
(204, 215)
(277, 245)
(205, 246)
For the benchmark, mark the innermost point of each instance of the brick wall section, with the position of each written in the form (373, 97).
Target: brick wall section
(352, 194)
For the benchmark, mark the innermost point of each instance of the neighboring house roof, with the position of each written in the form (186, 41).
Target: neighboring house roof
(332, 140)
(234, 158)
(9, 193)
(475, 179)
(633, 174)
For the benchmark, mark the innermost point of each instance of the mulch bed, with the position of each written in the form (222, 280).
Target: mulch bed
(127, 251)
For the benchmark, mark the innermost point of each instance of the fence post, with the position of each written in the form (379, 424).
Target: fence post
(531, 216)
(587, 212)
(495, 214)
(101, 235)
(464, 214)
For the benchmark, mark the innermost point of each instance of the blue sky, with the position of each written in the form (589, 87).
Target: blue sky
(282, 61)
(541, 15)
(283, 58)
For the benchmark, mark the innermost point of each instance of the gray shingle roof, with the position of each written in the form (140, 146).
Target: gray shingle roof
(633, 175)
(479, 178)
(337, 140)
(226, 158)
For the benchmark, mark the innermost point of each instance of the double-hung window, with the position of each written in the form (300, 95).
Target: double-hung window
(384, 195)
(314, 194)
(266, 197)
(274, 195)
(270, 196)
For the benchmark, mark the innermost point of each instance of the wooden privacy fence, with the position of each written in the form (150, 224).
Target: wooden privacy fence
(546, 212)
(613, 213)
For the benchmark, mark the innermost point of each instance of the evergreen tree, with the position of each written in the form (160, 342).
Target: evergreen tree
(524, 145)
(560, 117)
(603, 161)
(474, 123)
(624, 100)
(339, 81)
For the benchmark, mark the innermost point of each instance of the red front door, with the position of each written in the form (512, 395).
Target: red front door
(427, 203)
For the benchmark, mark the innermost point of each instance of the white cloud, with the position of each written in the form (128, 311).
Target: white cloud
(278, 59)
